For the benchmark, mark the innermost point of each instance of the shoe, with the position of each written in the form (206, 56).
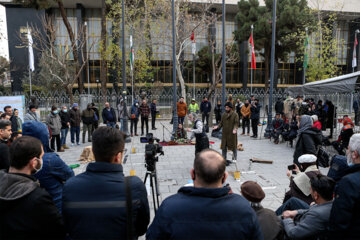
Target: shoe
(132, 135)
(78, 144)
(142, 134)
(153, 128)
(228, 162)
(242, 134)
(65, 146)
(136, 134)
(61, 150)
(248, 134)
(72, 144)
(89, 140)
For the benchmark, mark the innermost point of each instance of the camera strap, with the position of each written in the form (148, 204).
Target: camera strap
(129, 225)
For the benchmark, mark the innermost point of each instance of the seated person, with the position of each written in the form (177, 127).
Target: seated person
(342, 142)
(312, 221)
(180, 132)
(277, 125)
(292, 133)
(270, 224)
(317, 123)
(300, 184)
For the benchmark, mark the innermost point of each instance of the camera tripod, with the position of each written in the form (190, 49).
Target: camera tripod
(154, 189)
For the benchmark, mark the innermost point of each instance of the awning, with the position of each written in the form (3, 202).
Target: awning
(341, 84)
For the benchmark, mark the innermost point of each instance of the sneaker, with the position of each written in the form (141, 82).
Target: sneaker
(72, 144)
(78, 144)
(228, 162)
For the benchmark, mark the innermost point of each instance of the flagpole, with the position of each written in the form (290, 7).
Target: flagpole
(304, 68)
(252, 31)
(30, 82)
(132, 63)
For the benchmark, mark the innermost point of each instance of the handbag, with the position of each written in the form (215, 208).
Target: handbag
(323, 158)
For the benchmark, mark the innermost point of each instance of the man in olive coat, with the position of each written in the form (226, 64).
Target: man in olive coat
(229, 123)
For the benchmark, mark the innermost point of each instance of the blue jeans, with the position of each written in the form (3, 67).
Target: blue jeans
(121, 124)
(64, 133)
(111, 124)
(73, 131)
(292, 204)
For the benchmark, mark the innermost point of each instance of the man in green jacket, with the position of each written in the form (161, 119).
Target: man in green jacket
(193, 107)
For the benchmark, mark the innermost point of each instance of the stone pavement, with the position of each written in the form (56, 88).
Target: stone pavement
(173, 169)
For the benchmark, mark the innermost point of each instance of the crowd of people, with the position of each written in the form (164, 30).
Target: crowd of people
(41, 198)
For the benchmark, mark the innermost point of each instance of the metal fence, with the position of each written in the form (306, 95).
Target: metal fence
(164, 97)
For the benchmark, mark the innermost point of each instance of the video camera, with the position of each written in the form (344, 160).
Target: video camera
(151, 150)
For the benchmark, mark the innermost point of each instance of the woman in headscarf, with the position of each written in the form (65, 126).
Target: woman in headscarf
(346, 132)
(308, 138)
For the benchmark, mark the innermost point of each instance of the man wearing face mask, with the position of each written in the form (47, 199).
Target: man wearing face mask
(207, 210)
(229, 123)
(54, 172)
(65, 124)
(5, 134)
(27, 210)
(345, 212)
(53, 121)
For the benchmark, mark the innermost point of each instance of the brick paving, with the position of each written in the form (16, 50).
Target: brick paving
(173, 169)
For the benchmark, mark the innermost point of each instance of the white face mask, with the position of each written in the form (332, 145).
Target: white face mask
(38, 168)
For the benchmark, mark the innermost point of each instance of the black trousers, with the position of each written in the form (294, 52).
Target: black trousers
(133, 125)
(246, 124)
(202, 142)
(144, 120)
(254, 126)
(153, 119)
(52, 142)
(205, 116)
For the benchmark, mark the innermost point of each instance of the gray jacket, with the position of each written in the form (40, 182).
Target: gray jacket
(54, 123)
(31, 116)
(308, 223)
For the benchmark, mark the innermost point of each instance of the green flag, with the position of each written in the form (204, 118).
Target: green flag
(306, 51)
(132, 57)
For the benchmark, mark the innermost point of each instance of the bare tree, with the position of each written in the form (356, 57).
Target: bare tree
(58, 67)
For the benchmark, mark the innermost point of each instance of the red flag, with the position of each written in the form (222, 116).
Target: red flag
(354, 62)
(192, 36)
(253, 59)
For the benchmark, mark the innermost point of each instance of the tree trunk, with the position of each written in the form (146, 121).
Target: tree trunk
(181, 80)
(103, 75)
(267, 66)
(68, 90)
(72, 39)
(148, 32)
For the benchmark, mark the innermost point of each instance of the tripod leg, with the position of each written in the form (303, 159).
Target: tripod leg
(153, 192)
(146, 175)
(156, 189)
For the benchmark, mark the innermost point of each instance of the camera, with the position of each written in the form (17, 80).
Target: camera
(151, 149)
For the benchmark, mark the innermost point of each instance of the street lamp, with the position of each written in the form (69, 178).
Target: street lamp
(272, 68)
(11, 84)
(223, 57)
(97, 86)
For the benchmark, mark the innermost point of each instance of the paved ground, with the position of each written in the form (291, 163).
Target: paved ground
(174, 167)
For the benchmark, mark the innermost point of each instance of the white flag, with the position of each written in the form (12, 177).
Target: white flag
(31, 52)
(354, 62)
(193, 49)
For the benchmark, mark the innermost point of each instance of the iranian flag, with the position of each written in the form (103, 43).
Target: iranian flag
(252, 48)
(132, 55)
(354, 62)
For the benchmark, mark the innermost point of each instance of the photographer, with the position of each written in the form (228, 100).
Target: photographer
(198, 131)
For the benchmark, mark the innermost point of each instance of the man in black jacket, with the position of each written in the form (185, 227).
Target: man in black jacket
(94, 202)
(205, 109)
(109, 115)
(255, 117)
(65, 124)
(27, 211)
(279, 106)
(5, 134)
(345, 212)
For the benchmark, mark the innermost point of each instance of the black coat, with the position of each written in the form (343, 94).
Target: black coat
(269, 223)
(27, 211)
(330, 115)
(345, 212)
(4, 155)
(65, 119)
(279, 107)
(255, 112)
(14, 124)
(307, 143)
(101, 188)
